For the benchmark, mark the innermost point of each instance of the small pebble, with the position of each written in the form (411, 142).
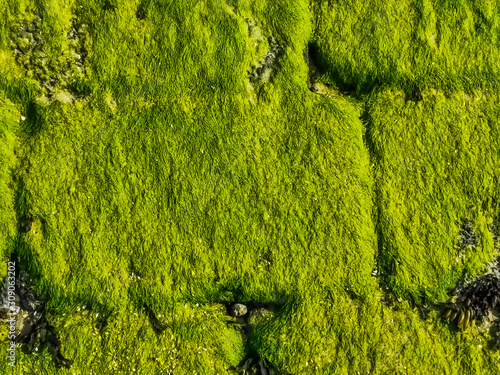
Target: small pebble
(238, 310)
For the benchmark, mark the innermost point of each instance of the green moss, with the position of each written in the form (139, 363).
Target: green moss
(160, 177)
(431, 44)
(9, 127)
(436, 165)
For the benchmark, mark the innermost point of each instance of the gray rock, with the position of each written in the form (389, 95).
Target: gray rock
(24, 322)
(238, 310)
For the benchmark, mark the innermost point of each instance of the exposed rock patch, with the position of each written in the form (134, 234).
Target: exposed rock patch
(477, 301)
(467, 236)
(238, 310)
(248, 316)
(265, 53)
(250, 310)
(29, 45)
(32, 329)
(266, 69)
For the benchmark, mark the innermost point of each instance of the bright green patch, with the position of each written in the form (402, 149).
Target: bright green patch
(160, 177)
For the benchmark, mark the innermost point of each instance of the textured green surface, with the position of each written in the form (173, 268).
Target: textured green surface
(448, 44)
(9, 124)
(437, 164)
(159, 176)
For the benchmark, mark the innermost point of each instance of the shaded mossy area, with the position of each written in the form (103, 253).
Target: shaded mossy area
(9, 127)
(164, 183)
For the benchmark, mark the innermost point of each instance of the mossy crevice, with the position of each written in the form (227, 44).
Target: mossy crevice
(34, 333)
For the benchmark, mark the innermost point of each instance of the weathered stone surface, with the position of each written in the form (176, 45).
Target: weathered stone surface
(238, 310)
(31, 326)
(265, 70)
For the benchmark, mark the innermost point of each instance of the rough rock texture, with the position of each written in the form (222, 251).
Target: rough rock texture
(467, 235)
(32, 327)
(266, 69)
(238, 310)
(477, 300)
(28, 43)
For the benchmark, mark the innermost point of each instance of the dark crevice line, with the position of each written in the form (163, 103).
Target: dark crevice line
(317, 68)
(384, 269)
(245, 316)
